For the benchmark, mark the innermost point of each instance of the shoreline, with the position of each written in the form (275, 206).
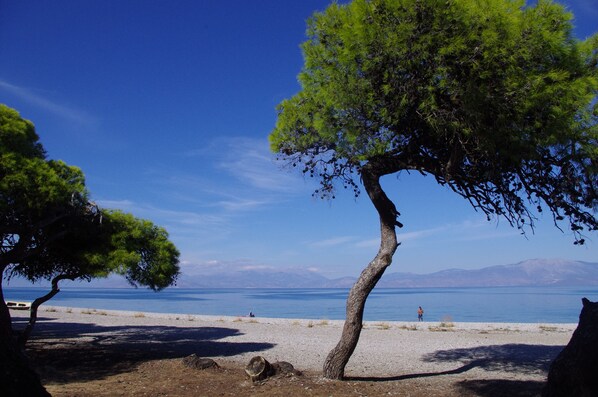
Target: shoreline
(471, 325)
(456, 325)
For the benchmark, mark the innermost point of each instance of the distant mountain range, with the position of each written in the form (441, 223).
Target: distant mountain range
(535, 272)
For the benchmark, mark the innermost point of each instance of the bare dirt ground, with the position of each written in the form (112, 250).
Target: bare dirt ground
(171, 378)
(106, 354)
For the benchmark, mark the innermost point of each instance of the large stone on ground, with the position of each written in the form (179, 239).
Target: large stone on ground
(285, 368)
(196, 362)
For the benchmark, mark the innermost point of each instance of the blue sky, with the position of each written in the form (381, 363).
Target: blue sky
(167, 106)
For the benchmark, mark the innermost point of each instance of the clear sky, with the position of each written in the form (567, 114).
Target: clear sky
(167, 107)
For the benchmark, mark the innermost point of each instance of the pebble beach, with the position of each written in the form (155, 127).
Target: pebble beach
(517, 351)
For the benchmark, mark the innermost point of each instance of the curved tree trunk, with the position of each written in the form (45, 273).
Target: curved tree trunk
(24, 336)
(334, 366)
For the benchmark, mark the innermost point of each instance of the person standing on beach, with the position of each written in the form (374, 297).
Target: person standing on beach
(420, 314)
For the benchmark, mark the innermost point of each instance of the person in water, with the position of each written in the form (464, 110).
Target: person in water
(420, 314)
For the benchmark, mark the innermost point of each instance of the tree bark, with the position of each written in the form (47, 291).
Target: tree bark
(16, 378)
(334, 366)
(24, 336)
(258, 369)
(573, 371)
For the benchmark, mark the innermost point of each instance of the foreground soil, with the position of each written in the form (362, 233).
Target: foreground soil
(123, 375)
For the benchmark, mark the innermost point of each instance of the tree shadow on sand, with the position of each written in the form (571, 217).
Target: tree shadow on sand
(63, 352)
(514, 358)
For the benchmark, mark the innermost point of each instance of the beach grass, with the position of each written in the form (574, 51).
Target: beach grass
(384, 326)
(411, 327)
(547, 328)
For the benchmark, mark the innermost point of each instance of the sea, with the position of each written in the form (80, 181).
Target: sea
(488, 304)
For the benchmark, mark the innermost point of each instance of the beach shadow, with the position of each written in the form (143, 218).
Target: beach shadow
(515, 358)
(501, 388)
(64, 352)
(20, 321)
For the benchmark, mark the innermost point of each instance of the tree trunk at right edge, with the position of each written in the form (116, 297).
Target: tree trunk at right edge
(334, 366)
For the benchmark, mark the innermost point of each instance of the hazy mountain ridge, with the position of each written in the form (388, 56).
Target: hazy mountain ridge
(535, 272)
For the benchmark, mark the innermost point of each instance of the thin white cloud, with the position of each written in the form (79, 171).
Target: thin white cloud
(251, 163)
(255, 267)
(124, 205)
(213, 266)
(464, 231)
(241, 204)
(211, 193)
(331, 242)
(66, 112)
(370, 243)
(186, 218)
(403, 237)
(416, 235)
(239, 174)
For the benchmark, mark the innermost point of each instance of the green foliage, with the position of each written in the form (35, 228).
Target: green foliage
(35, 194)
(495, 99)
(50, 228)
(141, 251)
(18, 135)
(106, 242)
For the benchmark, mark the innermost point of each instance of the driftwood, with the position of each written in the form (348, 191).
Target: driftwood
(196, 362)
(575, 370)
(259, 369)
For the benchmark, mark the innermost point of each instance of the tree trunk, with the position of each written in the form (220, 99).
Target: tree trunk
(16, 378)
(24, 336)
(573, 371)
(334, 366)
(258, 369)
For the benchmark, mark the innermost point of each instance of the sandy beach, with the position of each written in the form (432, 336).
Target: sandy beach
(429, 358)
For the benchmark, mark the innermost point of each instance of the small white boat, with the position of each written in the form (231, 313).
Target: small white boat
(18, 305)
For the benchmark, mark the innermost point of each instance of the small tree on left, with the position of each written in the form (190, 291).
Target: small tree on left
(50, 230)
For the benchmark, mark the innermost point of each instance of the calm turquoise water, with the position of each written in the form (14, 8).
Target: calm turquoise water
(497, 304)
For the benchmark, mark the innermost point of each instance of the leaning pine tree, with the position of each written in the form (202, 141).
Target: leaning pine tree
(495, 100)
(50, 230)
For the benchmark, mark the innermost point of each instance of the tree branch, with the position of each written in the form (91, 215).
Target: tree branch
(24, 336)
